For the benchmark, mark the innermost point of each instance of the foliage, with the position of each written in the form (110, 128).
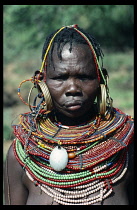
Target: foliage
(26, 26)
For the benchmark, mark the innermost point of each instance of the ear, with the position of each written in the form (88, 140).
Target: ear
(105, 73)
(38, 75)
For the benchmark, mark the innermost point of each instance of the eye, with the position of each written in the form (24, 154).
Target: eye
(85, 77)
(61, 78)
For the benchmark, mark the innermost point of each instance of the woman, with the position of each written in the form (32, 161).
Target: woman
(73, 147)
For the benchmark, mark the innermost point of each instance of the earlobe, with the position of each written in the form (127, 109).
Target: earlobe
(38, 75)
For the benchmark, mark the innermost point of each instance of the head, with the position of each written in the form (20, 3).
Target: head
(71, 72)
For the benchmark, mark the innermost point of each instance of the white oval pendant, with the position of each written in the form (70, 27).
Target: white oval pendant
(58, 158)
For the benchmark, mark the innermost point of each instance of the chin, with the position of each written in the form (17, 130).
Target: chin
(75, 114)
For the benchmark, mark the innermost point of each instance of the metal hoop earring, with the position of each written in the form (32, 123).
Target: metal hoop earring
(101, 99)
(29, 97)
(42, 87)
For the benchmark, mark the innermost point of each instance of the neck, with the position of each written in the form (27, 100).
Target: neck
(65, 120)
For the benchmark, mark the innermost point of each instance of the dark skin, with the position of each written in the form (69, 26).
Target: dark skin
(73, 85)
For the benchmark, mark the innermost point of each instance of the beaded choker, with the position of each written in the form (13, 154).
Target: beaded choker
(72, 163)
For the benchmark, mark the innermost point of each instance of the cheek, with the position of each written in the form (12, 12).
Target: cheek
(91, 88)
(55, 88)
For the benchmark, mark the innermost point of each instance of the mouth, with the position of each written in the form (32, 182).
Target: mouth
(73, 106)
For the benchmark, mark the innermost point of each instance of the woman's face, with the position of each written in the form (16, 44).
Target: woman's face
(73, 81)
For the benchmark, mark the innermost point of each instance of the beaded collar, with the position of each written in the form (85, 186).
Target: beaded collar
(93, 156)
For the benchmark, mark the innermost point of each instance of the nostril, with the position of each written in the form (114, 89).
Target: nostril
(73, 93)
(73, 88)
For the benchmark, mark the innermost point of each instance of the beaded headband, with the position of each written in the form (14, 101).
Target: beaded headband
(98, 68)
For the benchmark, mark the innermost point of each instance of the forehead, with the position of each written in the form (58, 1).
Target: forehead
(79, 53)
(78, 61)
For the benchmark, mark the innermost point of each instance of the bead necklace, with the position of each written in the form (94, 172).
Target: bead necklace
(78, 194)
(91, 157)
(67, 177)
(95, 153)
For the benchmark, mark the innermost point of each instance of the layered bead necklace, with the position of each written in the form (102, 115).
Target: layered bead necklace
(72, 163)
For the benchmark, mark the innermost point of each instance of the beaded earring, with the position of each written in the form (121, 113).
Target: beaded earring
(40, 84)
(43, 92)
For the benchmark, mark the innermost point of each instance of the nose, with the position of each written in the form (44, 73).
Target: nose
(73, 88)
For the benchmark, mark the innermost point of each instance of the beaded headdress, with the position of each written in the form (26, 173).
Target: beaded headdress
(75, 27)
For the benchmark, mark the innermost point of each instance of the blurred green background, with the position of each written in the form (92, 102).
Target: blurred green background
(25, 30)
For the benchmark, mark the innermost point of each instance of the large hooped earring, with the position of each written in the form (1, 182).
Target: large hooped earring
(46, 103)
(42, 88)
(101, 99)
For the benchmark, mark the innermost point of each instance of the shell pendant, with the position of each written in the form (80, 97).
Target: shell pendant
(58, 158)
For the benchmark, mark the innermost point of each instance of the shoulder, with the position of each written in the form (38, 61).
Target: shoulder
(119, 111)
(12, 163)
(10, 154)
(14, 190)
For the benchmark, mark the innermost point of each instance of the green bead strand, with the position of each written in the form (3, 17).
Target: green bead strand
(43, 174)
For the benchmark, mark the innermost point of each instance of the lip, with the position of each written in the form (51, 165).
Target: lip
(73, 106)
